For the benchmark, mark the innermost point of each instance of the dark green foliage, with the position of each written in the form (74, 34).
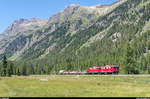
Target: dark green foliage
(23, 68)
(129, 62)
(7, 67)
(18, 72)
(127, 20)
(4, 66)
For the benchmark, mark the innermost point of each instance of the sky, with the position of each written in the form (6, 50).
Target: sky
(11, 10)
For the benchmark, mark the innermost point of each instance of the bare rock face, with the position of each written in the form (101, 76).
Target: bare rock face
(23, 25)
(80, 17)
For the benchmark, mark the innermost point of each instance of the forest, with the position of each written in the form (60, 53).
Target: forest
(130, 50)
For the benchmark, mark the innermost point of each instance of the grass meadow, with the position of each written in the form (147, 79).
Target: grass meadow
(75, 86)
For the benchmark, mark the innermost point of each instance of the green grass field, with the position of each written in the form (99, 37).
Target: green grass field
(75, 86)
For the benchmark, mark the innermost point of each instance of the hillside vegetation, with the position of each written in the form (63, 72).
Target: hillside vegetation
(78, 38)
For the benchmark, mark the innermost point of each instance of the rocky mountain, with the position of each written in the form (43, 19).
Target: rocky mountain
(37, 38)
(102, 42)
(81, 36)
(24, 25)
(17, 28)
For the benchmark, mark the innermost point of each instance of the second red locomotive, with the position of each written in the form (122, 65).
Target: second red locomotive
(104, 70)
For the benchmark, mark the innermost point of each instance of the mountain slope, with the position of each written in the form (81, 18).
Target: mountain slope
(35, 38)
(103, 42)
(16, 30)
(85, 36)
(79, 37)
(24, 25)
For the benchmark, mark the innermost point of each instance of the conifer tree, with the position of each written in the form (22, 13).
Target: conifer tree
(128, 61)
(8, 71)
(18, 72)
(11, 68)
(23, 69)
(0, 69)
(4, 67)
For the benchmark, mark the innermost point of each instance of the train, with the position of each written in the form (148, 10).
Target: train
(108, 69)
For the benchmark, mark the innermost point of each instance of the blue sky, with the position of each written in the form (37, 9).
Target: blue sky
(11, 10)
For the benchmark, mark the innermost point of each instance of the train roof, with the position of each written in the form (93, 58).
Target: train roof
(105, 66)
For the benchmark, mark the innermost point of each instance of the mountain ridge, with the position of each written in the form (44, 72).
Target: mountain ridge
(71, 20)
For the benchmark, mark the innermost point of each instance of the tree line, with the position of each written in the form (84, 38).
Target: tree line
(131, 56)
(128, 65)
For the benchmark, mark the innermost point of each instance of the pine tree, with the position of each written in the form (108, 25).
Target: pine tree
(24, 72)
(9, 70)
(148, 63)
(128, 61)
(148, 68)
(18, 72)
(0, 70)
(4, 67)
(23, 69)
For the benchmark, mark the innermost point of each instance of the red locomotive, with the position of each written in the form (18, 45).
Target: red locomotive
(104, 70)
(94, 70)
